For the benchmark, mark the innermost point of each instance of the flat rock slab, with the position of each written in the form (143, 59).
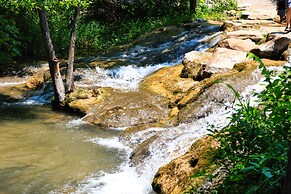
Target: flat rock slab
(254, 35)
(227, 58)
(238, 44)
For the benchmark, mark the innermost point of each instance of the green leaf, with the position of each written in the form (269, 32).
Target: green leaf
(249, 168)
(267, 174)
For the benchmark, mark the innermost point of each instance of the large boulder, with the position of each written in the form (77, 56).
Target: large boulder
(194, 64)
(201, 65)
(224, 58)
(123, 109)
(238, 44)
(272, 49)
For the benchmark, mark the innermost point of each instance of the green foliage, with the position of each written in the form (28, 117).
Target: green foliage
(118, 23)
(9, 40)
(254, 145)
(23, 18)
(216, 10)
(112, 11)
(95, 35)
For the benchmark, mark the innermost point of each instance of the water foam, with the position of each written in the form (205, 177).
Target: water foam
(169, 144)
(125, 77)
(109, 143)
(6, 84)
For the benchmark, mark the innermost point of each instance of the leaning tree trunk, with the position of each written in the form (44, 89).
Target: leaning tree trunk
(59, 89)
(193, 4)
(70, 63)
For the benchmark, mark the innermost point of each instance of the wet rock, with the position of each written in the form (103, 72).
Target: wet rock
(216, 96)
(174, 178)
(81, 100)
(167, 82)
(199, 88)
(210, 95)
(141, 127)
(16, 88)
(141, 152)
(272, 49)
(123, 109)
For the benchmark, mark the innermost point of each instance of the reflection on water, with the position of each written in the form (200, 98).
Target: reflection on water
(40, 152)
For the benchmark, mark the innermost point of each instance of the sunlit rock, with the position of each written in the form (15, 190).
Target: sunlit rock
(253, 34)
(272, 49)
(194, 65)
(224, 58)
(168, 83)
(174, 178)
(238, 44)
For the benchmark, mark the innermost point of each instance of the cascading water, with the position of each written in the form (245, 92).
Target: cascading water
(120, 175)
(168, 144)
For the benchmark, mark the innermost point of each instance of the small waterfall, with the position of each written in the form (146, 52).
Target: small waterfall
(127, 77)
(169, 144)
(129, 178)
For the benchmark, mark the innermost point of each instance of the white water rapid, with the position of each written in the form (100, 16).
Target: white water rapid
(126, 178)
(171, 143)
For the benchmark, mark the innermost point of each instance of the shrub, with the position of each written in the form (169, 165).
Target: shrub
(253, 147)
(9, 40)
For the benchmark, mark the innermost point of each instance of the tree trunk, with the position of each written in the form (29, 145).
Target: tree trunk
(59, 89)
(70, 63)
(193, 4)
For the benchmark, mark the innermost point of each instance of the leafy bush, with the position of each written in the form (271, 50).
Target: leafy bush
(214, 9)
(9, 40)
(253, 147)
(112, 11)
(94, 35)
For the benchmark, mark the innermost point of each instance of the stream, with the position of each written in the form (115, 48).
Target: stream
(44, 151)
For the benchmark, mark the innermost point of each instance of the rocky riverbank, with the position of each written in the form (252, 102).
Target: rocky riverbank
(176, 94)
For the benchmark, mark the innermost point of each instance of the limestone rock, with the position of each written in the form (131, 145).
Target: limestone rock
(123, 109)
(194, 63)
(272, 49)
(254, 35)
(174, 178)
(168, 83)
(238, 44)
(224, 58)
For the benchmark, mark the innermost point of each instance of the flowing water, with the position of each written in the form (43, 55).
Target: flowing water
(43, 151)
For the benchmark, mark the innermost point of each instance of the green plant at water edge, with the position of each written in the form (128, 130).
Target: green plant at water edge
(253, 147)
